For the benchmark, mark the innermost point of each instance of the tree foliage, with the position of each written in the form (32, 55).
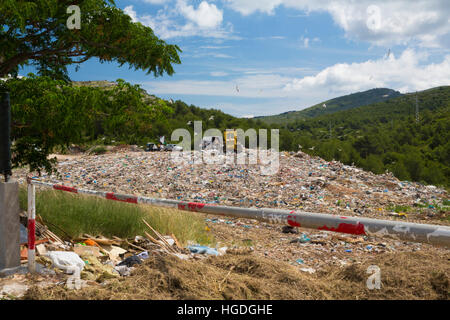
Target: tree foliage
(51, 113)
(385, 136)
(36, 32)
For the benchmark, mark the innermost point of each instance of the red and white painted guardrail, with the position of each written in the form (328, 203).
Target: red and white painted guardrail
(31, 228)
(426, 233)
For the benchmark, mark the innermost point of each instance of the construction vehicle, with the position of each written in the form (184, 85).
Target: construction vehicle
(230, 140)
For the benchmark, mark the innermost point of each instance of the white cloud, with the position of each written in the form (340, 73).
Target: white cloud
(406, 73)
(246, 7)
(183, 20)
(130, 11)
(409, 72)
(156, 1)
(215, 47)
(259, 86)
(306, 42)
(205, 16)
(208, 54)
(383, 22)
(218, 74)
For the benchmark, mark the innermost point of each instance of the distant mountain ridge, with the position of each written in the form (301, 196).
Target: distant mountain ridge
(346, 102)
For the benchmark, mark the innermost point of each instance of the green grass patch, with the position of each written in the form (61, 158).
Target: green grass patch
(98, 150)
(70, 215)
(398, 208)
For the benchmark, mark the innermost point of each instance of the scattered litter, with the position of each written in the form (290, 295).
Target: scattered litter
(289, 229)
(86, 250)
(302, 239)
(130, 261)
(203, 250)
(124, 271)
(66, 260)
(303, 182)
(143, 255)
(309, 270)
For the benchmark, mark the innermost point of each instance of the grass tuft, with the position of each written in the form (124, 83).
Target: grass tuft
(78, 214)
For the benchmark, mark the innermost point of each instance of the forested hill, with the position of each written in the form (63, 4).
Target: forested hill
(377, 137)
(386, 135)
(178, 114)
(350, 101)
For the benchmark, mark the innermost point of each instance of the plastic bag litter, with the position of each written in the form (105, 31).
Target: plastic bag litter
(143, 255)
(130, 261)
(203, 250)
(66, 260)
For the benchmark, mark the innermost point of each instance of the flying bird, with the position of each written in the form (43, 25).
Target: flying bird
(211, 118)
(237, 88)
(388, 55)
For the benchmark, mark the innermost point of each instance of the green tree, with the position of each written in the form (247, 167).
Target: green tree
(49, 113)
(36, 32)
(46, 113)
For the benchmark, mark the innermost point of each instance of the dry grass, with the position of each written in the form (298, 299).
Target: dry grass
(76, 214)
(403, 275)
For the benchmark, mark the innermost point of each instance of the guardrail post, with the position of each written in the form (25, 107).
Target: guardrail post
(31, 228)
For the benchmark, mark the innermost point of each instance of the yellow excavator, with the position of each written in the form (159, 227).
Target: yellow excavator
(230, 140)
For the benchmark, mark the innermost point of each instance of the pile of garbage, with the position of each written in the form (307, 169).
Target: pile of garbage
(92, 260)
(303, 183)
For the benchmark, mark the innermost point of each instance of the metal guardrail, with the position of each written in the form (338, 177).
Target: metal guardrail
(414, 232)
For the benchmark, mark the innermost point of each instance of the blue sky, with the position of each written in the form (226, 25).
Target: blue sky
(288, 54)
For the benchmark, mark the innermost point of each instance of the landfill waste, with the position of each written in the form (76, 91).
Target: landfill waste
(309, 270)
(303, 182)
(123, 270)
(66, 260)
(94, 259)
(13, 289)
(302, 239)
(203, 250)
(96, 271)
(289, 229)
(143, 255)
(86, 250)
(130, 261)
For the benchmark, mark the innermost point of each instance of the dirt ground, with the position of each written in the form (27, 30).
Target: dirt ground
(262, 263)
(247, 276)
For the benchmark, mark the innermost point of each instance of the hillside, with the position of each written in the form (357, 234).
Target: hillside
(177, 114)
(347, 102)
(377, 137)
(385, 136)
